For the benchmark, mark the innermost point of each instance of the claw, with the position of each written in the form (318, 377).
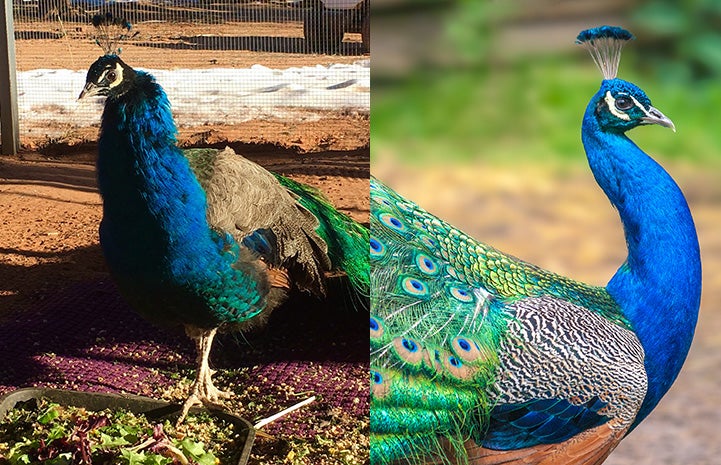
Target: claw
(204, 392)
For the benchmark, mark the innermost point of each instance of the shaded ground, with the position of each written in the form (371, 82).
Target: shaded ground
(317, 130)
(560, 220)
(63, 323)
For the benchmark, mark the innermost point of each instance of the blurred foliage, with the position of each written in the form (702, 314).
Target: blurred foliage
(530, 111)
(470, 27)
(682, 38)
(480, 103)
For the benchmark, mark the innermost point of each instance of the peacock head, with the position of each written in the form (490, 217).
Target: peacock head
(619, 105)
(108, 76)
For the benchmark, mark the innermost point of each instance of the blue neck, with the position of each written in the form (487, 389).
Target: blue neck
(150, 194)
(659, 286)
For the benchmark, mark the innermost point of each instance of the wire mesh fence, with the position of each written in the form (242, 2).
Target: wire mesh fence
(222, 63)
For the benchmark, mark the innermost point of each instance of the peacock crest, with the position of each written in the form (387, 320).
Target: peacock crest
(111, 31)
(605, 44)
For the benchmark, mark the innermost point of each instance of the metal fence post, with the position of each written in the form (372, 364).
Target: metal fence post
(9, 133)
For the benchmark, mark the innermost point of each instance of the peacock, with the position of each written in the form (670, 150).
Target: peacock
(479, 357)
(204, 238)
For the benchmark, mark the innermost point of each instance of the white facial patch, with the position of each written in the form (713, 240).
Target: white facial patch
(118, 75)
(638, 104)
(611, 102)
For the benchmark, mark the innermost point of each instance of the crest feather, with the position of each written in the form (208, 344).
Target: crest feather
(605, 44)
(111, 31)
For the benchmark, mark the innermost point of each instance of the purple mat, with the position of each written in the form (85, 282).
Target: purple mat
(86, 338)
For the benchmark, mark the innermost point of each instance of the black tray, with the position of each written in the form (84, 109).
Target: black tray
(153, 409)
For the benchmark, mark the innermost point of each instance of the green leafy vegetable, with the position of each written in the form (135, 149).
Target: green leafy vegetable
(37, 432)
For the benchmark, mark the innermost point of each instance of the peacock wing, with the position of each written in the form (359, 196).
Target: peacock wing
(247, 201)
(449, 315)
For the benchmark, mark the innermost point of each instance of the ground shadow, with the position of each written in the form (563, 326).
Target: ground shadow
(23, 287)
(283, 160)
(87, 336)
(49, 173)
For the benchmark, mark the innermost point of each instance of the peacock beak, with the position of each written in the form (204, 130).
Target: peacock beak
(89, 90)
(656, 117)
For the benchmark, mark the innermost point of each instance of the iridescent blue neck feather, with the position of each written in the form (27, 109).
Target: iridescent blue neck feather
(659, 286)
(154, 233)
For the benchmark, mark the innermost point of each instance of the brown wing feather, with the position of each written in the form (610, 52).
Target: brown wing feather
(243, 197)
(590, 447)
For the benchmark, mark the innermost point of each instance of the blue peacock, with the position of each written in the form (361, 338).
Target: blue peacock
(477, 356)
(204, 238)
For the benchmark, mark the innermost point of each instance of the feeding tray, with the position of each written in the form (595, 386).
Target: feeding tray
(154, 410)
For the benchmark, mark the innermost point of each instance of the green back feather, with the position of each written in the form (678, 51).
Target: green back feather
(347, 240)
(202, 162)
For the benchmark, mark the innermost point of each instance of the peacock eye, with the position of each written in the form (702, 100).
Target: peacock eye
(111, 76)
(624, 103)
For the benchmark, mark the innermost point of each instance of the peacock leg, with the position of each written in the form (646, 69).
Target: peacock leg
(203, 391)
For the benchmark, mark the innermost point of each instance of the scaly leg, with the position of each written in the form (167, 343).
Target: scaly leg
(203, 391)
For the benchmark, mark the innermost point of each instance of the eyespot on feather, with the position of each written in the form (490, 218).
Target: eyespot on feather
(428, 242)
(379, 385)
(376, 328)
(459, 293)
(377, 248)
(414, 287)
(384, 201)
(408, 350)
(426, 264)
(467, 350)
(392, 222)
(457, 369)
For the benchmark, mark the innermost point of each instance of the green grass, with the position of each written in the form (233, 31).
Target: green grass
(530, 112)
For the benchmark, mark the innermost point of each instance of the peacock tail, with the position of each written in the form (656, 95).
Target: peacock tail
(346, 239)
(434, 337)
(333, 233)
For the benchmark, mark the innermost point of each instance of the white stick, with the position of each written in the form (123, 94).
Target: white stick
(272, 418)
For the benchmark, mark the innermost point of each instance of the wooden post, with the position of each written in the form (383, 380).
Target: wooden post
(9, 133)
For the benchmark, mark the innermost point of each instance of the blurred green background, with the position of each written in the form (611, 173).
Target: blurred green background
(503, 80)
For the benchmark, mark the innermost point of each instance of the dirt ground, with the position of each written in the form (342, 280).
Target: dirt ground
(50, 211)
(52, 44)
(49, 215)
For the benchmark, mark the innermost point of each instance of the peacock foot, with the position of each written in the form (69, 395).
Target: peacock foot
(203, 393)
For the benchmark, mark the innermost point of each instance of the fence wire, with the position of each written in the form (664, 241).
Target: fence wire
(221, 63)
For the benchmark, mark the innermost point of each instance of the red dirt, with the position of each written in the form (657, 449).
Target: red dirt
(50, 211)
